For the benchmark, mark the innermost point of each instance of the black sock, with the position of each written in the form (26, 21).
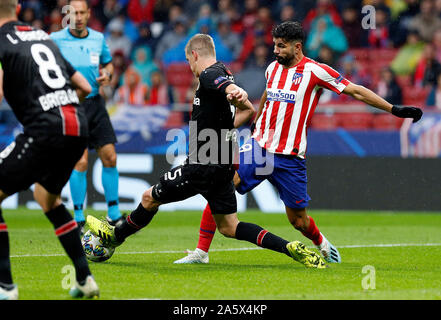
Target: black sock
(253, 233)
(67, 232)
(5, 264)
(135, 221)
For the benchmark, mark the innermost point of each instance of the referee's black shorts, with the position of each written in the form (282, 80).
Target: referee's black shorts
(100, 128)
(213, 182)
(48, 160)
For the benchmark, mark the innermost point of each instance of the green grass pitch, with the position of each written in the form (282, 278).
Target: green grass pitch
(385, 256)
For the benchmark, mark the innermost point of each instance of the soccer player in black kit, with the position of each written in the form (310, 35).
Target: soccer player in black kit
(44, 91)
(209, 168)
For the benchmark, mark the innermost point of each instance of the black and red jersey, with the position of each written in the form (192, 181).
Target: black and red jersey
(37, 83)
(212, 121)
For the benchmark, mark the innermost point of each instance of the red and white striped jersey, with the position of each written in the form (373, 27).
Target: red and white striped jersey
(292, 96)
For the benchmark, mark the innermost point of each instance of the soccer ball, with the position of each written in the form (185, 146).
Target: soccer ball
(94, 248)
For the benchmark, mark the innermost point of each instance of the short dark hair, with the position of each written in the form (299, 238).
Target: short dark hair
(86, 1)
(289, 31)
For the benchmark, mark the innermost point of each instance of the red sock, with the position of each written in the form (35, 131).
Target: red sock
(207, 229)
(313, 233)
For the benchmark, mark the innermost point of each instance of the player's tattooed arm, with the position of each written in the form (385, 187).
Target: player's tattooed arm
(81, 85)
(367, 96)
(244, 108)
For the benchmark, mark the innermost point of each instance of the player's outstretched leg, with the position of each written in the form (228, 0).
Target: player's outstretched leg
(8, 290)
(306, 225)
(206, 233)
(230, 226)
(114, 236)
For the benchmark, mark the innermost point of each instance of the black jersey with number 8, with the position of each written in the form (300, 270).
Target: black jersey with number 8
(37, 83)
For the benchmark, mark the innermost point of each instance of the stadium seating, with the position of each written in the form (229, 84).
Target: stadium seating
(355, 120)
(179, 74)
(385, 121)
(324, 121)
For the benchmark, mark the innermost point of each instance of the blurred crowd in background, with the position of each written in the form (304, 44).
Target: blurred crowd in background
(399, 59)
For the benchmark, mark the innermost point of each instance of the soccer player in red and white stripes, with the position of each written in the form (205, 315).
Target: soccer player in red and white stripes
(294, 85)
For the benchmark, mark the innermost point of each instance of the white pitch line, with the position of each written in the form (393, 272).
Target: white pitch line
(385, 245)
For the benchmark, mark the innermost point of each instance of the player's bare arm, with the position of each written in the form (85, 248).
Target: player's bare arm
(106, 73)
(239, 98)
(81, 85)
(367, 96)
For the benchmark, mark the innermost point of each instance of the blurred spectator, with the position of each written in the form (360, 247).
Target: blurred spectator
(349, 68)
(27, 15)
(288, 13)
(174, 14)
(436, 41)
(130, 30)
(230, 39)
(120, 64)
(192, 7)
(434, 97)
(264, 17)
(353, 72)
(171, 38)
(379, 36)
(326, 56)
(388, 87)
(324, 7)
(428, 68)
(145, 37)
(36, 7)
(408, 55)
(252, 77)
(160, 93)
(221, 10)
(141, 10)
(177, 53)
(133, 91)
(400, 25)
(107, 10)
(351, 27)
(383, 5)
(54, 21)
(251, 13)
(117, 40)
(143, 63)
(324, 32)
(204, 22)
(236, 19)
(426, 22)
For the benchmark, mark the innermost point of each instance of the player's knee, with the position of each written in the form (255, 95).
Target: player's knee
(227, 231)
(109, 160)
(298, 223)
(82, 164)
(148, 202)
(48, 205)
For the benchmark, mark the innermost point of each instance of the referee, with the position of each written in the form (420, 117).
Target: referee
(88, 52)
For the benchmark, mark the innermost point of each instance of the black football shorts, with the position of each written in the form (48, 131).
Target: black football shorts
(47, 160)
(100, 128)
(213, 182)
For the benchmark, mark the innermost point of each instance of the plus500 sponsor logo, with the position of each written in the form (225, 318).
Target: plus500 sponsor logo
(282, 96)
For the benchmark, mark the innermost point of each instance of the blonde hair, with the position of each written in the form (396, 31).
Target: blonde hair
(203, 44)
(7, 8)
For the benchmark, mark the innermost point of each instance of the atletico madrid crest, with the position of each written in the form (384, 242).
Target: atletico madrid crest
(297, 78)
